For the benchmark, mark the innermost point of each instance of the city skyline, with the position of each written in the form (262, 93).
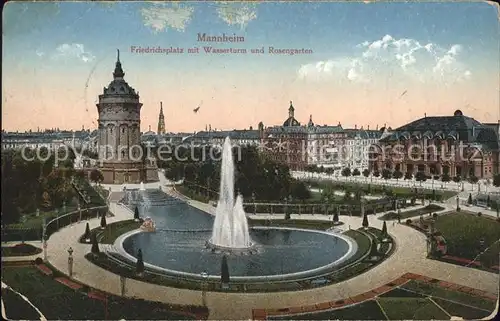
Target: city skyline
(394, 63)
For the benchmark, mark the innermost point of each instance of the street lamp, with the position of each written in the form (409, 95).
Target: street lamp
(204, 276)
(44, 239)
(70, 261)
(254, 205)
(458, 203)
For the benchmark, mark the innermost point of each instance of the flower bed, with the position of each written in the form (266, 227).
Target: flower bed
(21, 249)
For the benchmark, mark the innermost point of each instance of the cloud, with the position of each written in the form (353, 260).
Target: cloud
(72, 51)
(160, 17)
(237, 14)
(406, 56)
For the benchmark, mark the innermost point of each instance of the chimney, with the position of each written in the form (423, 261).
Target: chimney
(355, 126)
(368, 127)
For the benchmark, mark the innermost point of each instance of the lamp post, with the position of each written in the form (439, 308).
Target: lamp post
(23, 221)
(70, 262)
(254, 205)
(204, 276)
(458, 203)
(44, 239)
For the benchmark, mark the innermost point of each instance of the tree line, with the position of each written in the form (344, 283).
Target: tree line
(34, 184)
(256, 176)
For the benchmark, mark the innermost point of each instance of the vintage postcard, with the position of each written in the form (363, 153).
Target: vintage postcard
(254, 160)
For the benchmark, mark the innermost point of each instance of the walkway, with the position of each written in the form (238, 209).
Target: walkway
(429, 184)
(409, 256)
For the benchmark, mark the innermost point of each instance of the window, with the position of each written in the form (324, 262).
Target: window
(123, 130)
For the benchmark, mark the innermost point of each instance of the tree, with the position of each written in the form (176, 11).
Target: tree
(356, 172)
(103, 221)
(336, 216)
(96, 176)
(386, 173)
(457, 179)
(496, 180)
(376, 173)
(46, 203)
(373, 249)
(87, 232)
(299, 190)
(473, 179)
(139, 265)
(224, 271)
(365, 221)
(384, 230)
(408, 175)
(445, 177)
(346, 172)
(420, 176)
(469, 200)
(366, 172)
(95, 245)
(136, 214)
(397, 174)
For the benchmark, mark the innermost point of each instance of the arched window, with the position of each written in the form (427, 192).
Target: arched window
(123, 130)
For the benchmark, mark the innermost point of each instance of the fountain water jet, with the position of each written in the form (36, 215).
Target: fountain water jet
(141, 188)
(230, 231)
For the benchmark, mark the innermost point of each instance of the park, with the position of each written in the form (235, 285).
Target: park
(261, 233)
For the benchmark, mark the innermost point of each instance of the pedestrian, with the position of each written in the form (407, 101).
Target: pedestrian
(393, 223)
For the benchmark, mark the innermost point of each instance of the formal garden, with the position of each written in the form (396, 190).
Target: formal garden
(40, 191)
(471, 239)
(411, 300)
(58, 298)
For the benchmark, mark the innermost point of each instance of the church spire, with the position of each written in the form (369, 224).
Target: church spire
(161, 121)
(118, 73)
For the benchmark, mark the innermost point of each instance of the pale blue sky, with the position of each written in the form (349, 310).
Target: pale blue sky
(357, 47)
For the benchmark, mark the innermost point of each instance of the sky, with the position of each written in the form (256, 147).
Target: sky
(366, 64)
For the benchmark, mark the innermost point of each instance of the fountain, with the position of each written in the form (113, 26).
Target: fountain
(142, 187)
(230, 230)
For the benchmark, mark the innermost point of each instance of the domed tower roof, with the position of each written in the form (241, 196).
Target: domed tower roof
(291, 121)
(118, 85)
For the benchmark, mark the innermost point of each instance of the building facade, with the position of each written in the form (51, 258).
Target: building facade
(287, 144)
(323, 144)
(355, 151)
(120, 155)
(454, 145)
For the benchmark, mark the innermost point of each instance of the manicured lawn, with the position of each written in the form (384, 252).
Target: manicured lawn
(112, 231)
(399, 304)
(59, 302)
(431, 208)
(439, 292)
(463, 231)
(368, 310)
(20, 250)
(16, 308)
(468, 313)
(411, 309)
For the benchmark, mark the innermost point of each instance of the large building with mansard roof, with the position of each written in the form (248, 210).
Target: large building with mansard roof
(120, 156)
(457, 145)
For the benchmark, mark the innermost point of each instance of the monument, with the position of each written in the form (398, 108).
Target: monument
(119, 133)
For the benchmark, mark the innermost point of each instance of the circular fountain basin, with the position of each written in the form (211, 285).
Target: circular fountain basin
(279, 253)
